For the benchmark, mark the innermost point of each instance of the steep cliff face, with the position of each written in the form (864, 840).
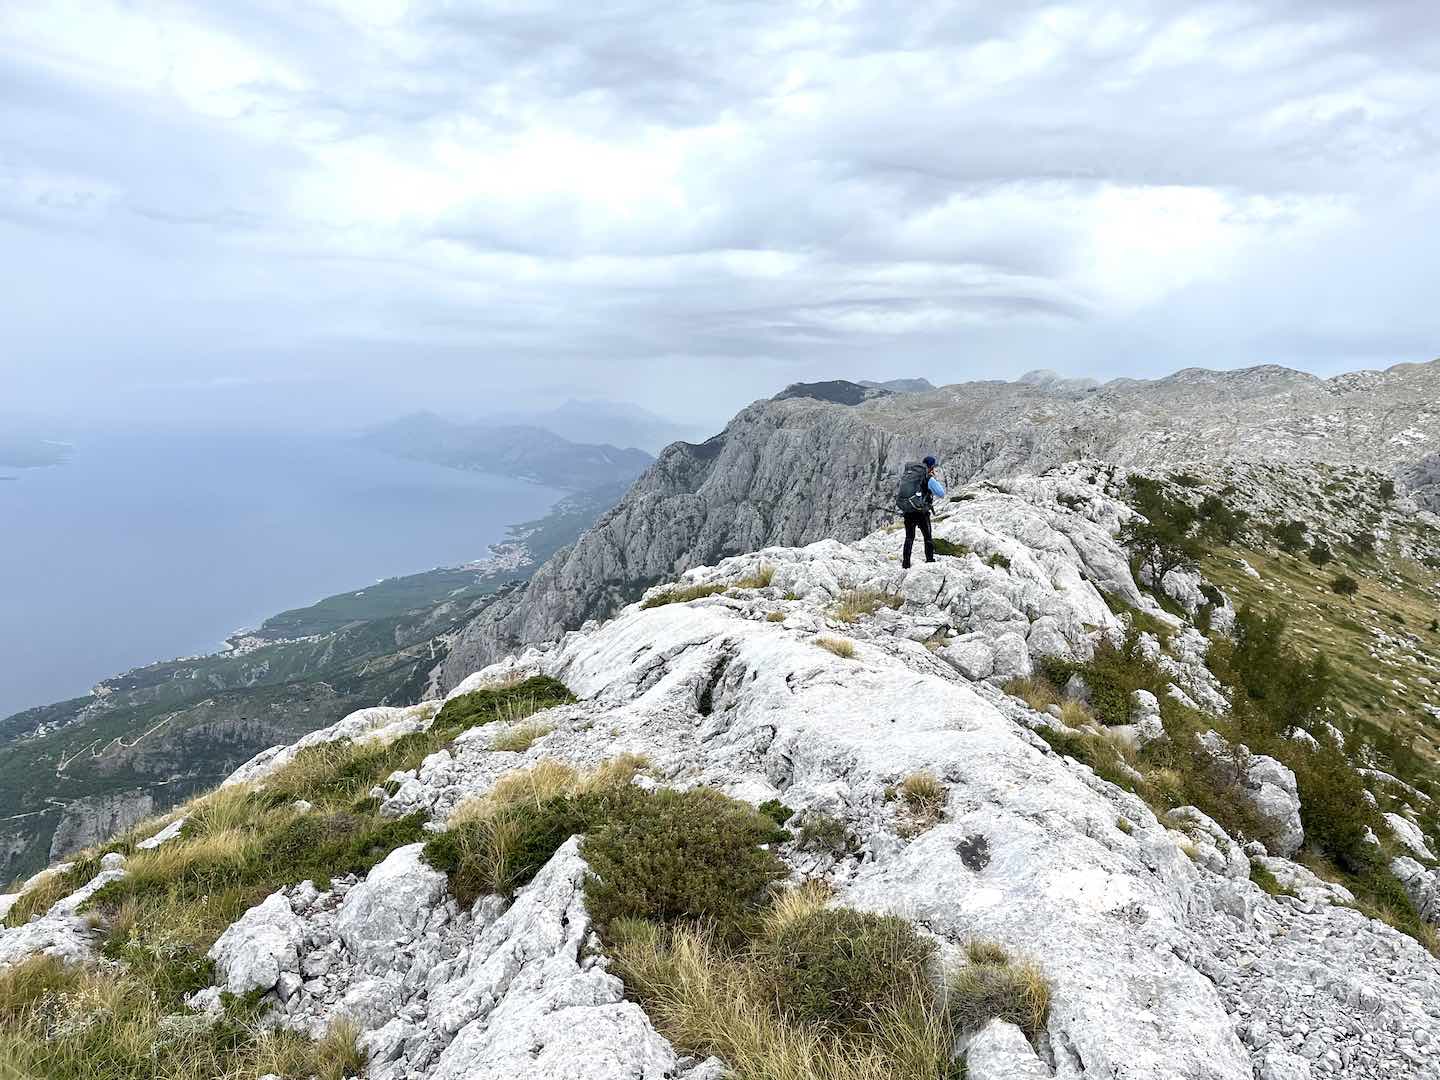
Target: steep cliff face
(88, 821)
(818, 461)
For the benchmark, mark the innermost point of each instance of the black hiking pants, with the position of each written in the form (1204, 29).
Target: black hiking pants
(917, 519)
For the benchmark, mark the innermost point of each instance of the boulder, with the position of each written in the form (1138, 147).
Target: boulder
(1421, 885)
(1047, 639)
(1000, 1051)
(390, 907)
(1266, 785)
(1409, 834)
(1012, 657)
(261, 944)
(1145, 725)
(972, 656)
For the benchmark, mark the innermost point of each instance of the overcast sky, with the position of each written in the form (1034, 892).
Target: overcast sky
(325, 212)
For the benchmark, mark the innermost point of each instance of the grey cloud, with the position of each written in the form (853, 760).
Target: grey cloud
(925, 197)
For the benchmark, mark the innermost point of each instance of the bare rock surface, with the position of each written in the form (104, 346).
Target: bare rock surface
(61, 931)
(1164, 958)
(802, 467)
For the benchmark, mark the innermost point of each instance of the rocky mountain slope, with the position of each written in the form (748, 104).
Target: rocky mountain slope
(77, 771)
(819, 459)
(1025, 755)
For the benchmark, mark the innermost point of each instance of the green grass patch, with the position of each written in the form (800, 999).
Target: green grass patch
(683, 595)
(950, 548)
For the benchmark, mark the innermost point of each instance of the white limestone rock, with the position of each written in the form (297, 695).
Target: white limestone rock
(1409, 834)
(262, 943)
(1000, 1051)
(973, 656)
(390, 907)
(1266, 785)
(1421, 884)
(164, 836)
(527, 1008)
(60, 931)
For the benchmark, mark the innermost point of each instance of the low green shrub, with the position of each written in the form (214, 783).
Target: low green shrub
(1220, 522)
(823, 834)
(282, 849)
(105, 1023)
(1112, 675)
(1099, 753)
(1290, 535)
(1320, 553)
(997, 560)
(683, 856)
(1266, 880)
(950, 548)
(776, 811)
(501, 852)
(844, 969)
(1344, 585)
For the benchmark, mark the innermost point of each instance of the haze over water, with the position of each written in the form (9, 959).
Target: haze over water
(148, 547)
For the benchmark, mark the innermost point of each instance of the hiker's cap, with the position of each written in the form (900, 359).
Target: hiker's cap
(930, 463)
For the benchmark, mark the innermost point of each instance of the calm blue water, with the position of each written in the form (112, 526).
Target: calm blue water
(144, 548)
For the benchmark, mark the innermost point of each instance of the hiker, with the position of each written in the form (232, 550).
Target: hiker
(919, 488)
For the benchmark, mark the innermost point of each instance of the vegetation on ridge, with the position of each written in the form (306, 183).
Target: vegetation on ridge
(239, 844)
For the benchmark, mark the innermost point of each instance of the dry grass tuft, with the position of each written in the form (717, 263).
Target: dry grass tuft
(775, 616)
(682, 595)
(1074, 714)
(106, 1024)
(923, 793)
(854, 604)
(994, 986)
(522, 738)
(762, 577)
(1035, 690)
(842, 647)
(709, 1001)
(794, 904)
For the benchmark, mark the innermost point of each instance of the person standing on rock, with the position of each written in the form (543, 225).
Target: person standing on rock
(919, 488)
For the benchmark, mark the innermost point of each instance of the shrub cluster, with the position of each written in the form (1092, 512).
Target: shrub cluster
(1220, 522)
(1164, 539)
(949, 547)
(1290, 535)
(823, 834)
(842, 969)
(1344, 585)
(672, 856)
(1112, 675)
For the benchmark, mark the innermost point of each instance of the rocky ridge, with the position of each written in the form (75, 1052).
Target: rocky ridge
(820, 461)
(1165, 958)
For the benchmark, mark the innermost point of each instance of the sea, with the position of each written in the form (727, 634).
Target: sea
(146, 547)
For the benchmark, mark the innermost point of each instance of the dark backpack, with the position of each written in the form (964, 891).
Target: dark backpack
(913, 496)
